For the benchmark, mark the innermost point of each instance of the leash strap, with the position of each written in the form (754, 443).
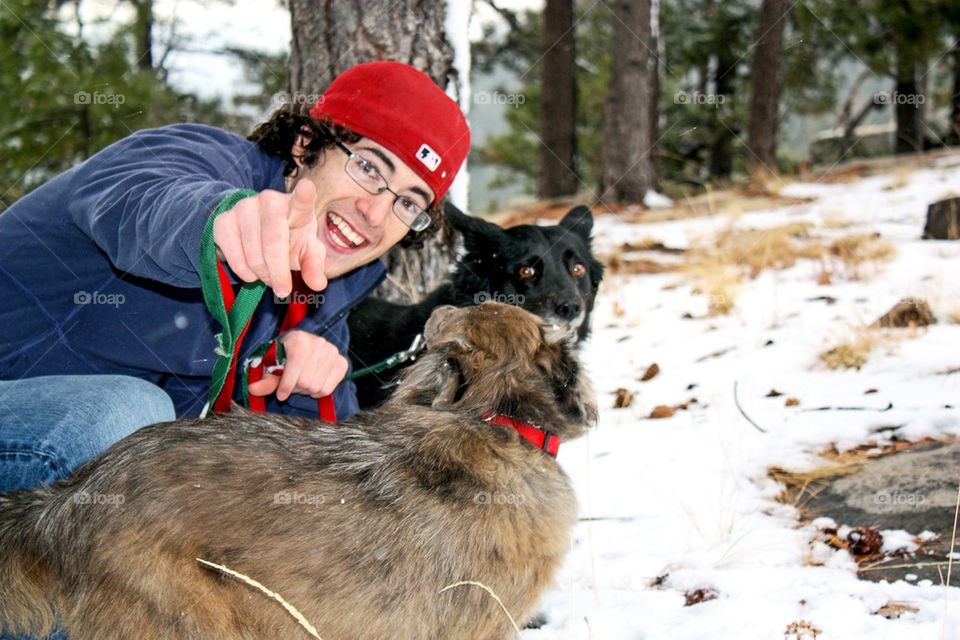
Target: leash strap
(411, 353)
(233, 312)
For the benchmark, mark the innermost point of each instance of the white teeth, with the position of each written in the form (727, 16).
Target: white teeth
(346, 230)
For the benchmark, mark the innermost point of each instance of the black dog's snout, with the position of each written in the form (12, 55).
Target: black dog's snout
(568, 309)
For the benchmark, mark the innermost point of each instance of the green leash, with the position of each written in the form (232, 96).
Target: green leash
(233, 322)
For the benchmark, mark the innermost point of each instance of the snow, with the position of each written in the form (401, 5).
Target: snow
(686, 502)
(654, 199)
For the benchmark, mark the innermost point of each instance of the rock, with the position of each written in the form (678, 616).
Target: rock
(943, 220)
(909, 312)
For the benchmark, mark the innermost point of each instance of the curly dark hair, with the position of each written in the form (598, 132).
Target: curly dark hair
(277, 135)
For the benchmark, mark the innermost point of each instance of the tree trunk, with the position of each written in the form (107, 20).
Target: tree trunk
(767, 83)
(329, 38)
(143, 32)
(558, 109)
(628, 161)
(906, 105)
(654, 93)
(953, 135)
(721, 148)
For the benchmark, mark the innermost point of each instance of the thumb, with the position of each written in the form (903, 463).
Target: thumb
(264, 387)
(302, 201)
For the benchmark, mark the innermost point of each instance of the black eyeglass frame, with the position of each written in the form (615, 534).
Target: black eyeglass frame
(420, 222)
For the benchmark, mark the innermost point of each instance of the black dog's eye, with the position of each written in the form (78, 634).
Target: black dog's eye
(526, 272)
(578, 269)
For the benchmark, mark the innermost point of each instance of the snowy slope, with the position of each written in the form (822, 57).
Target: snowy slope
(687, 499)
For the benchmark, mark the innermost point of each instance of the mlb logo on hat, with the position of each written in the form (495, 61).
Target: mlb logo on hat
(428, 157)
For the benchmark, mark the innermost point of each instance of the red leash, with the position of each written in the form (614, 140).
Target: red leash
(296, 312)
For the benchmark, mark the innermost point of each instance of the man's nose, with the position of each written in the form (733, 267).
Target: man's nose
(375, 208)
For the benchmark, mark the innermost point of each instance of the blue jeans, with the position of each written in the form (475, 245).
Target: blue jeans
(51, 425)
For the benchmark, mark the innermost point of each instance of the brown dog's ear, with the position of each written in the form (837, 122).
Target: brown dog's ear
(451, 385)
(438, 325)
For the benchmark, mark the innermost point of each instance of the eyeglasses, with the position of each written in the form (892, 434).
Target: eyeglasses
(366, 174)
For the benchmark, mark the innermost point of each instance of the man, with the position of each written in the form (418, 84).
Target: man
(103, 327)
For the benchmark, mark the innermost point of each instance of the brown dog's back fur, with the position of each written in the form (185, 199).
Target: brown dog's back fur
(359, 525)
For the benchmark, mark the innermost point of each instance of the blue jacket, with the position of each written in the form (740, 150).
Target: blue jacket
(99, 268)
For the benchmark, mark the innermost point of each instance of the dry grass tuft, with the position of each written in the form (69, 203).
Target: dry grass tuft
(953, 316)
(900, 179)
(618, 264)
(862, 247)
(721, 263)
(798, 484)
(851, 354)
(718, 268)
(719, 281)
(836, 221)
(757, 250)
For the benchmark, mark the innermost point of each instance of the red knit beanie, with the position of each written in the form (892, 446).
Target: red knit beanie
(401, 108)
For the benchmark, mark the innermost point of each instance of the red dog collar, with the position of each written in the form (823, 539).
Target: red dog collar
(540, 438)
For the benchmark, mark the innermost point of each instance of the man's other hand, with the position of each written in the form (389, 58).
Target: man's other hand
(313, 367)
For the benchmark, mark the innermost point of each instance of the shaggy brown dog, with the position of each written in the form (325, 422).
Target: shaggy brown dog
(360, 526)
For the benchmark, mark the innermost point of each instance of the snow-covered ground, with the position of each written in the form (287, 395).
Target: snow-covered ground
(686, 501)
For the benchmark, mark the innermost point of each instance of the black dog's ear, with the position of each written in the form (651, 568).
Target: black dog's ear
(477, 233)
(579, 220)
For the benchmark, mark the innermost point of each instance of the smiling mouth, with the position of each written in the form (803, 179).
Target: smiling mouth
(342, 235)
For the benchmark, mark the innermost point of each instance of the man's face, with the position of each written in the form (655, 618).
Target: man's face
(355, 226)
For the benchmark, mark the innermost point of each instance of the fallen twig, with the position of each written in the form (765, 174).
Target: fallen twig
(736, 401)
(488, 590)
(253, 583)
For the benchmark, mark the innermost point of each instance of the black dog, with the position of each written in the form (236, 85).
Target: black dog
(549, 271)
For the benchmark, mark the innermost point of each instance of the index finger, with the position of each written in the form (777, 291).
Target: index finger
(275, 242)
(302, 201)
